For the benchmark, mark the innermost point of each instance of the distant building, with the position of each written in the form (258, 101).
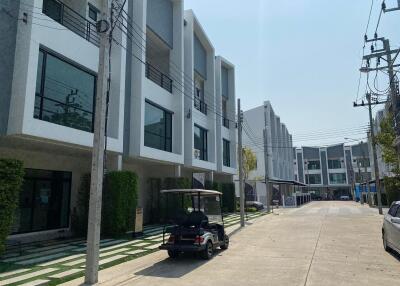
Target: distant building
(332, 171)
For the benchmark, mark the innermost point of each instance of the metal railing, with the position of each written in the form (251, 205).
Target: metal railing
(200, 105)
(72, 20)
(156, 76)
(225, 122)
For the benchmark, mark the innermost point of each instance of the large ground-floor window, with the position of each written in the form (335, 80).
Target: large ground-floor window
(43, 202)
(64, 93)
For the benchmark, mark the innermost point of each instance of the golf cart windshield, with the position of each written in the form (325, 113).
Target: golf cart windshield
(210, 202)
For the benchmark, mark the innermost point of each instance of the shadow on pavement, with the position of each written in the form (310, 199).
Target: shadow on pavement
(176, 268)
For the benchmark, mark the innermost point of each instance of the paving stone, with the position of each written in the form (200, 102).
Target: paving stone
(154, 246)
(113, 252)
(132, 242)
(41, 258)
(65, 273)
(75, 262)
(62, 259)
(141, 244)
(13, 272)
(40, 249)
(111, 242)
(35, 282)
(33, 255)
(28, 276)
(110, 259)
(133, 252)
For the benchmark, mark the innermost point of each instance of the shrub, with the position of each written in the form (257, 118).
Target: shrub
(392, 189)
(171, 204)
(154, 202)
(11, 179)
(228, 197)
(120, 198)
(79, 217)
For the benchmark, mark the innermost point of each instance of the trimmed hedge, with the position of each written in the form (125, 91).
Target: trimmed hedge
(11, 179)
(80, 213)
(119, 203)
(392, 189)
(171, 204)
(228, 194)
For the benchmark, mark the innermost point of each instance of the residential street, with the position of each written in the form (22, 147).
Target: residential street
(322, 243)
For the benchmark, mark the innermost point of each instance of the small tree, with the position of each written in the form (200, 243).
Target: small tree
(249, 161)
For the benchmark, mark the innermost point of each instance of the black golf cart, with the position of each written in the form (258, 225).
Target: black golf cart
(199, 228)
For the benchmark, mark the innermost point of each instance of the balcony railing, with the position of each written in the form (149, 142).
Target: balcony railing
(225, 122)
(156, 76)
(200, 105)
(72, 20)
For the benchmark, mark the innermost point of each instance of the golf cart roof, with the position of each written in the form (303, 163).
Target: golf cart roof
(191, 191)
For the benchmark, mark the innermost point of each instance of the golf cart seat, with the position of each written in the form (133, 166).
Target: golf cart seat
(196, 219)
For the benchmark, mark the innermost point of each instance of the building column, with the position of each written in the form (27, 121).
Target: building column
(178, 171)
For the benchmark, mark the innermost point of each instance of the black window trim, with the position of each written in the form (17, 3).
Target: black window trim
(165, 127)
(205, 140)
(46, 51)
(69, 180)
(226, 141)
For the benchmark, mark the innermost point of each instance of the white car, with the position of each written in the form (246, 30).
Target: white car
(391, 228)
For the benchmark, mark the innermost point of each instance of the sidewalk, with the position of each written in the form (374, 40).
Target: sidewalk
(54, 263)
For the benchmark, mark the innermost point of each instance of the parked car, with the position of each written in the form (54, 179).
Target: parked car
(344, 198)
(391, 228)
(254, 204)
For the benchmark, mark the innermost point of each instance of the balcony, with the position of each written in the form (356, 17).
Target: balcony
(200, 105)
(72, 20)
(225, 122)
(156, 76)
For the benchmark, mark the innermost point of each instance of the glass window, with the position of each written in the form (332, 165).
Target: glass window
(313, 165)
(313, 179)
(157, 128)
(363, 162)
(337, 178)
(93, 12)
(53, 9)
(392, 211)
(43, 202)
(64, 93)
(335, 164)
(200, 142)
(226, 145)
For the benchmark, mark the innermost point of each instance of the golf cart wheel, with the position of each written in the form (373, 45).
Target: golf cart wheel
(173, 254)
(208, 251)
(226, 242)
(384, 239)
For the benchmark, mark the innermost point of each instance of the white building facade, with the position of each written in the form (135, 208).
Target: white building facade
(155, 113)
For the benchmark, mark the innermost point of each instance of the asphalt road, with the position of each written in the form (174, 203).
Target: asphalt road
(322, 243)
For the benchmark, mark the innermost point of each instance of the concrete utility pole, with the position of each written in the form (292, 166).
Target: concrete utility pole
(376, 168)
(266, 169)
(240, 156)
(96, 184)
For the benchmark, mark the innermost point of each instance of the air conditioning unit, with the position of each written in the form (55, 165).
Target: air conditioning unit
(196, 153)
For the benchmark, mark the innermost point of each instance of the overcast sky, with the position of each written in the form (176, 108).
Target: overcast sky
(302, 55)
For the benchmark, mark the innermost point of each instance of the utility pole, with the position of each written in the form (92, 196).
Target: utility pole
(240, 156)
(97, 172)
(376, 168)
(266, 167)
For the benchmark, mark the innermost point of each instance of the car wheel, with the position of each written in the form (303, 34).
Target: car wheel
(385, 245)
(208, 251)
(173, 254)
(226, 242)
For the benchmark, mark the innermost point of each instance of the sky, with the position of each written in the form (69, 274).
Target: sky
(301, 55)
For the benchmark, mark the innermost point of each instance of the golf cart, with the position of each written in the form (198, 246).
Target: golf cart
(199, 228)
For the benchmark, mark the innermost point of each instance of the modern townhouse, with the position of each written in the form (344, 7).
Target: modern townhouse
(166, 111)
(331, 171)
(279, 148)
(49, 64)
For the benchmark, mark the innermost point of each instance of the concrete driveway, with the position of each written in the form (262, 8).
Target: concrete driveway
(322, 243)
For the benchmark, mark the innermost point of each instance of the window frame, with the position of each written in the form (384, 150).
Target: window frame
(165, 112)
(226, 152)
(45, 51)
(93, 8)
(204, 150)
